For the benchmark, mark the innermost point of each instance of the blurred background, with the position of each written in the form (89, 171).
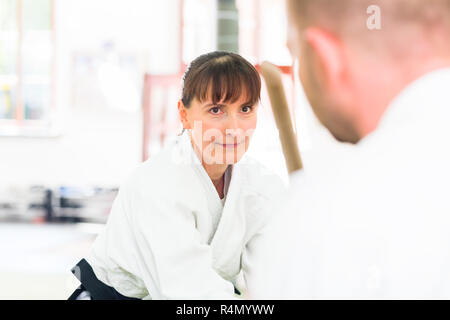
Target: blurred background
(88, 90)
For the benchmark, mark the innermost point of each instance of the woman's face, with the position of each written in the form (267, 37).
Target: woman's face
(220, 132)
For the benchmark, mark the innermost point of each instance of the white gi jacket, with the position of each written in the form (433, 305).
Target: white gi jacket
(160, 241)
(377, 225)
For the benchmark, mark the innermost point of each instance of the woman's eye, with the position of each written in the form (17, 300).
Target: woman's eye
(215, 110)
(246, 109)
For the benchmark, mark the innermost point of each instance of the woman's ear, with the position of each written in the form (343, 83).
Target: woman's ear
(182, 111)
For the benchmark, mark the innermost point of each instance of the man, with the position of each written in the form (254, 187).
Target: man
(377, 225)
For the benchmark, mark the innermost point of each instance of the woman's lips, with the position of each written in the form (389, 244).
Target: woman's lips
(229, 145)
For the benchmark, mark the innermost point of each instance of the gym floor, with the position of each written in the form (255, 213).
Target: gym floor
(36, 259)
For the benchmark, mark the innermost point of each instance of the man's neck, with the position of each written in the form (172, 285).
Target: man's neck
(382, 98)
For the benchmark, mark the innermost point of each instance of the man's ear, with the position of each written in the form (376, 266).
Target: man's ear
(183, 115)
(329, 53)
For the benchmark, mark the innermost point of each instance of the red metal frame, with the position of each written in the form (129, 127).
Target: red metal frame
(150, 82)
(165, 81)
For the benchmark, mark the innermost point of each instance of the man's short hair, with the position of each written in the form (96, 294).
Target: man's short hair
(344, 15)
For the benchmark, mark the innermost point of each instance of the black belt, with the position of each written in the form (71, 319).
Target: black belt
(97, 289)
(89, 282)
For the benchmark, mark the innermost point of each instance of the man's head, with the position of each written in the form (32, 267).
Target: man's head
(355, 56)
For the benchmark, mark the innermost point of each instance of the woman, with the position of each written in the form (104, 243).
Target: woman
(184, 225)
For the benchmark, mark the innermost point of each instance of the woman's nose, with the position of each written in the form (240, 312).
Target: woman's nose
(233, 130)
(233, 122)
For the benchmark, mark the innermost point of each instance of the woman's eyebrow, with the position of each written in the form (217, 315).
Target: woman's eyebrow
(224, 105)
(214, 105)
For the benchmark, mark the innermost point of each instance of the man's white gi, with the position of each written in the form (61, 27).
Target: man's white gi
(377, 224)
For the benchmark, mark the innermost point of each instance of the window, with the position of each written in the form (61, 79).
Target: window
(262, 31)
(26, 65)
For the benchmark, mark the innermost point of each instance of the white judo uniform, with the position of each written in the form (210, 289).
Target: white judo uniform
(377, 224)
(169, 235)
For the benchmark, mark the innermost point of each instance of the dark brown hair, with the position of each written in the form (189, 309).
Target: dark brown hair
(221, 76)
